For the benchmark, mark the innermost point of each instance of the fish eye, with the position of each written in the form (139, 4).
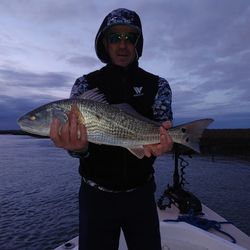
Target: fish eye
(32, 117)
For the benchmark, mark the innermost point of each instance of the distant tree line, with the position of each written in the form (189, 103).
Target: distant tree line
(235, 142)
(226, 141)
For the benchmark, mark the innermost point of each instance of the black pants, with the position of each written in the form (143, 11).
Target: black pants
(103, 214)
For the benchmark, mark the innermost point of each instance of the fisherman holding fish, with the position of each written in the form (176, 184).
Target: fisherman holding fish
(116, 122)
(117, 190)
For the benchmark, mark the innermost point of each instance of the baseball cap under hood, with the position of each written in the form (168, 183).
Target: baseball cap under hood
(118, 17)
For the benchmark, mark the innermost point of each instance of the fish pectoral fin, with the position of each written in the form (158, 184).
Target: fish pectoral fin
(138, 152)
(75, 109)
(80, 117)
(60, 115)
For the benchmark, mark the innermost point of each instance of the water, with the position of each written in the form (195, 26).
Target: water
(39, 191)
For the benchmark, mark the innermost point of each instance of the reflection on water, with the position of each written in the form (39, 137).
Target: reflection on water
(39, 191)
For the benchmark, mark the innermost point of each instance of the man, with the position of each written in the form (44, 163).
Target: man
(117, 190)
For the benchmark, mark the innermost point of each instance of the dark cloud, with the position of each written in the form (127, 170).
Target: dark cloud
(184, 25)
(207, 45)
(22, 78)
(202, 48)
(25, 91)
(11, 108)
(196, 34)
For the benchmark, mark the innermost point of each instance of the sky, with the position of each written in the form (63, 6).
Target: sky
(202, 47)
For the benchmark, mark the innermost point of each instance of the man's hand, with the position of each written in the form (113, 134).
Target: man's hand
(72, 136)
(165, 144)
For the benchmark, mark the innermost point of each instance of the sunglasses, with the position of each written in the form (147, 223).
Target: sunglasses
(129, 37)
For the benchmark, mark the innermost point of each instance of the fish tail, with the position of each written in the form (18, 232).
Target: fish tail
(189, 134)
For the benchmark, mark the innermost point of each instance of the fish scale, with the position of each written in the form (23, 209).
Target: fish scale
(117, 127)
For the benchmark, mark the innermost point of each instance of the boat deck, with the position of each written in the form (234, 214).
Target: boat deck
(241, 238)
(183, 236)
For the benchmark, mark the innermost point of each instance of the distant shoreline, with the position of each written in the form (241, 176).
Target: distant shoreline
(213, 141)
(19, 132)
(12, 132)
(207, 132)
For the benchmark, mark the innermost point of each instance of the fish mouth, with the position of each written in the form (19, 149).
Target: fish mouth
(23, 121)
(24, 124)
(28, 129)
(20, 122)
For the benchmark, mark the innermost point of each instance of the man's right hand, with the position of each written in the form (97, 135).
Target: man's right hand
(72, 135)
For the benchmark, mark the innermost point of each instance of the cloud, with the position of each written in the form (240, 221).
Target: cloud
(22, 91)
(196, 33)
(201, 99)
(13, 107)
(201, 47)
(25, 84)
(83, 61)
(45, 11)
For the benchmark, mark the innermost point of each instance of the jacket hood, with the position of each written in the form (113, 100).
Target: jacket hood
(118, 17)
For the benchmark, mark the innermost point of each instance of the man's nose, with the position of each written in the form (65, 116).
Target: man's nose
(123, 43)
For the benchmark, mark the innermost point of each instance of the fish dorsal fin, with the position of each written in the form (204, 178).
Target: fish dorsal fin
(94, 95)
(125, 107)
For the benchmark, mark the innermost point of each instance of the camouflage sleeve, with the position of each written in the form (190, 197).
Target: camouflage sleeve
(79, 87)
(162, 107)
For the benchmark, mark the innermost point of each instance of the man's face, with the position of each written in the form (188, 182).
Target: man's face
(120, 42)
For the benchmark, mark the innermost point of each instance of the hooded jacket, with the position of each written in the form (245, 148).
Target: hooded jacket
(118, 17)
(115, 168)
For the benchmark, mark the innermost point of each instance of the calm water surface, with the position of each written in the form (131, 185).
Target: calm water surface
(39, 191)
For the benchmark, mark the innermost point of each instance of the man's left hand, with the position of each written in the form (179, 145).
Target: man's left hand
(165, 145)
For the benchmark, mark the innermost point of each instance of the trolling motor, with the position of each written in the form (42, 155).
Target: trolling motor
(176, 194)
